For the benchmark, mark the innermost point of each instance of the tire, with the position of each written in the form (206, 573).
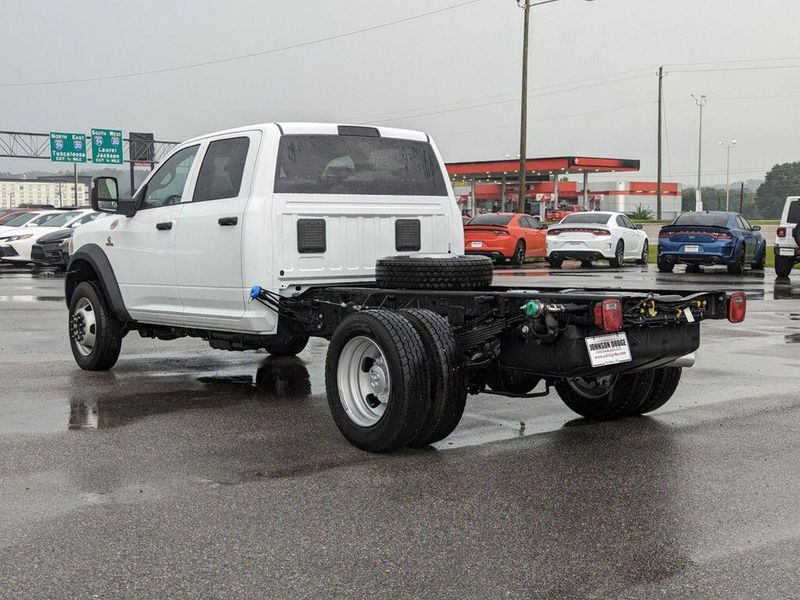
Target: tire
(758, 264)
(665, 266)
(286, 345)
(619, 255)
(447, 383)
(738, 267)
(512, 382)
(555, 263)
(519, 254)
(95, 335)
(453, 272)
(586, 264)
(645, 254)
(620, 398)
(376, 380)
(783, 265)
(665, 382)
(693, 269)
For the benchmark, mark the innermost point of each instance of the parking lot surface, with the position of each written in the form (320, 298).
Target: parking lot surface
(191, 472)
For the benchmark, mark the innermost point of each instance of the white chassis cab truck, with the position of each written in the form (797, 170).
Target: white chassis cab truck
(261, 237)
(787, 238)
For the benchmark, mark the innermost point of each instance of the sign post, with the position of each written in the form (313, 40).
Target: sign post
(107, 146)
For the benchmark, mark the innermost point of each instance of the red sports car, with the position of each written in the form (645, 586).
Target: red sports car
(501, 236)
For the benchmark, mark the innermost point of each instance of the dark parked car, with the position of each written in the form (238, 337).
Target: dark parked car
(52, 250)
(711, 238)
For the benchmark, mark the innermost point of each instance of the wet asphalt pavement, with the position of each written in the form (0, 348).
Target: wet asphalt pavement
(190, 472)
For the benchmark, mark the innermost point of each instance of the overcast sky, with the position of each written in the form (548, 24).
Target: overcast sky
(454, 74)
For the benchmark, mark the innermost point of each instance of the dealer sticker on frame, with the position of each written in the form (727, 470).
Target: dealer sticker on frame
(609, 349)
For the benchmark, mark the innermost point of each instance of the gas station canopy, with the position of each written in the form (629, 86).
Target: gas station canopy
(495, 169)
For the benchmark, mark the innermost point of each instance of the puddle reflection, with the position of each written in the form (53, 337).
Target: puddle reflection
(276, 378)
(785, 289)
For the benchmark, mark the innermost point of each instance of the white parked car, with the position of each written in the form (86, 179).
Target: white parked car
(787, 240)
(29, 219)
(16, 244)
(589, 236)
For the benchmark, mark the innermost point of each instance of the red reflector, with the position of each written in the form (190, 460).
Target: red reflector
(608, 315)
(781, 232)
(737, 307)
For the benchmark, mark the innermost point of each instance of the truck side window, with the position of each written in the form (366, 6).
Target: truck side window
(222, 169)
(794, 212)
(166, 186)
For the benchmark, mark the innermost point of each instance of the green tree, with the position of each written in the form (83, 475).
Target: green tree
(781, 181)
(714, 199)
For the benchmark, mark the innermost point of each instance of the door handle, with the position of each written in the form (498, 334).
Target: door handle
(228, 221)
(164, 226)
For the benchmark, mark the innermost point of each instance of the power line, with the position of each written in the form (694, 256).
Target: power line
(723, 69)
(244, 56)
(510, 96)
(499, 102)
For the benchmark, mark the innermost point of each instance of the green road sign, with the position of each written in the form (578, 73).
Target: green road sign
(107, 146)
(67, 147)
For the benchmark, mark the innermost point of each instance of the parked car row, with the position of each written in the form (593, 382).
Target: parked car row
(40, 237)
(693, 239)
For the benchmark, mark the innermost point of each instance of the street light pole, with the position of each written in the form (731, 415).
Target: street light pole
(701, 101)
(728, 146)
(526, 5)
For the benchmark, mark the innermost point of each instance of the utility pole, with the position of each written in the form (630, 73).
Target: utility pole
(659, 180)
(701, 101)
(523, 124)
(75, 166)
(741, 199)
(728, 146)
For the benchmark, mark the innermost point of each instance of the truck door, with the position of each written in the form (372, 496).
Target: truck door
(208, 244)
(144, 245)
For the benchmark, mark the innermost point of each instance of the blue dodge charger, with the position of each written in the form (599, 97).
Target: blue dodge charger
(711, 238)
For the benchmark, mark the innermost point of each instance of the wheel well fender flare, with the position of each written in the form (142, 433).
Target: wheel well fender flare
(90, 263)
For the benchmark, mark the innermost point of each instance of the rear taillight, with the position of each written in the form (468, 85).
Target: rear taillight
(601, 232)
(723, 236)
(608, 315)
(781, 232)
(737, 307)
(553, 232)
(500, 232)
(663, 235)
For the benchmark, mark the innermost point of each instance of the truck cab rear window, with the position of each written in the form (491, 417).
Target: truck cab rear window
(794, 212)
(332, 164)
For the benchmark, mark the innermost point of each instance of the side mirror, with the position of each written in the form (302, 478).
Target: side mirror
(544, 225)
(756, 227)
(637, 225)
(105, 194)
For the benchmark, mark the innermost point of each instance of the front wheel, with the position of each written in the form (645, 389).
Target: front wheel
(519, 254)
(95, 335)
(619, 255)
(645, 254)
(758, 264)
(606, 397)
(783, 265)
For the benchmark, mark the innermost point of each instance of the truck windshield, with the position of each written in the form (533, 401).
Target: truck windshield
(346, 164)
(590, 217)
(703, 219)
(490, 220)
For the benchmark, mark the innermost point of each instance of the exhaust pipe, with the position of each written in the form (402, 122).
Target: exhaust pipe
(684, 362)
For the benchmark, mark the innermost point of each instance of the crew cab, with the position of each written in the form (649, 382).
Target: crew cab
(264, 236)
(787, 238)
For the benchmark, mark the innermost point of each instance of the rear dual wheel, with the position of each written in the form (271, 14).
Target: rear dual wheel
(610, 397)
(394, 379)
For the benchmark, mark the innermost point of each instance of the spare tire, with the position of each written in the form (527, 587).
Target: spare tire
(434, 272)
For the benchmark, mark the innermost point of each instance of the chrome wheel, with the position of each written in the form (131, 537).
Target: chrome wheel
(620, 254)
(593, 387)
(364, 381)
(83, 327)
